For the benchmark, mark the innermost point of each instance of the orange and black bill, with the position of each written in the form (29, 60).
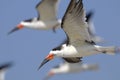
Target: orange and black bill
(16, 29)
(48, 58)
(44, 62)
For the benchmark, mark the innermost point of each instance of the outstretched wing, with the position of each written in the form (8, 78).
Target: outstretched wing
(74, 23)
(47, 9)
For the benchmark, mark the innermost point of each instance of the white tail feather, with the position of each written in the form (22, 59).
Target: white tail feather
(109, 50)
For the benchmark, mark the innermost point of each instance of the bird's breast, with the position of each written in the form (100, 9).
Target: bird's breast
(71, 51)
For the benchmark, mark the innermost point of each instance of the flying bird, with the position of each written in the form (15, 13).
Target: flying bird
(3, 69)
(47, 17)
(66, 68)
(78, 43)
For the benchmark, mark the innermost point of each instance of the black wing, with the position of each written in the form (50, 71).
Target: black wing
(5, 66)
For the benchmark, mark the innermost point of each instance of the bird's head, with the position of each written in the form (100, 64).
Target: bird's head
(18, 27)
(53, 53)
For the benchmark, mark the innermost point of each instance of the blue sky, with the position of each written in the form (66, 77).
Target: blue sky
(27, 48)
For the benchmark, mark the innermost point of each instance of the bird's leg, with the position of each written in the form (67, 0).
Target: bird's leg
(54, 27)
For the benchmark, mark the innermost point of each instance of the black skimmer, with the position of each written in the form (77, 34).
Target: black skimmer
(47, 17)
(3, 69)
(78, 44)
(66, 68)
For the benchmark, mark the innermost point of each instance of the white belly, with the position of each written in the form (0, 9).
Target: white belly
(42, 25)
(79, 52)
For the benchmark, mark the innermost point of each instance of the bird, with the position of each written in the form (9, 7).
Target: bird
(91, 28)
(66, 68)
(47, 17)
(78, 43)
(3, 68)
(91, 31)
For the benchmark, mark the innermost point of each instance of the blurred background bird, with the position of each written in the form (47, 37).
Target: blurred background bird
(67, 68)
(3, 68)
(47, 17)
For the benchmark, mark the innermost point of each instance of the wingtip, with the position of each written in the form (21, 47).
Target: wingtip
(89, 15)
(6, 65)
